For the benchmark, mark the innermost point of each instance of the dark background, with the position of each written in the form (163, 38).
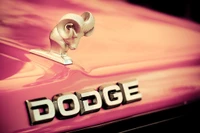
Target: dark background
(188, 9)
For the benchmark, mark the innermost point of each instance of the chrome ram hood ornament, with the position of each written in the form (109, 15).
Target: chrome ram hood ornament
(66, 35)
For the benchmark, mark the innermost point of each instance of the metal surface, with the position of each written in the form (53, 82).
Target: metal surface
(179, 118)
(68, 105)
(72, 109)
(66, 35)
(160, 51)
(34, 113)
(111, 95)
(94, 104)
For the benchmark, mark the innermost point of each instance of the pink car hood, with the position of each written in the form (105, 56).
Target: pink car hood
(160, 51)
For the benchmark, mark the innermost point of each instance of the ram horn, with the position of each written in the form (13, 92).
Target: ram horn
(89, 22)
(74, 19)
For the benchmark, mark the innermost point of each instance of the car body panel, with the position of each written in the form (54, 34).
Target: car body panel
(129, 42)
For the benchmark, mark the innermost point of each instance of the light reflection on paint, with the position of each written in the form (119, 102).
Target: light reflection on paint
(161, 51)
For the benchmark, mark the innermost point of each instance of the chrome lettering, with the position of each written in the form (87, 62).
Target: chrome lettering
(130, 91)
(72, 103)
(67, 105)
(111, 95)
(90, 101)
(40, 110)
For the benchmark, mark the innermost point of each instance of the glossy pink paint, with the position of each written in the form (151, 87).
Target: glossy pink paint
(161, 51)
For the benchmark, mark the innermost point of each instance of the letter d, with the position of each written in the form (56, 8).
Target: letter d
(40, 110)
